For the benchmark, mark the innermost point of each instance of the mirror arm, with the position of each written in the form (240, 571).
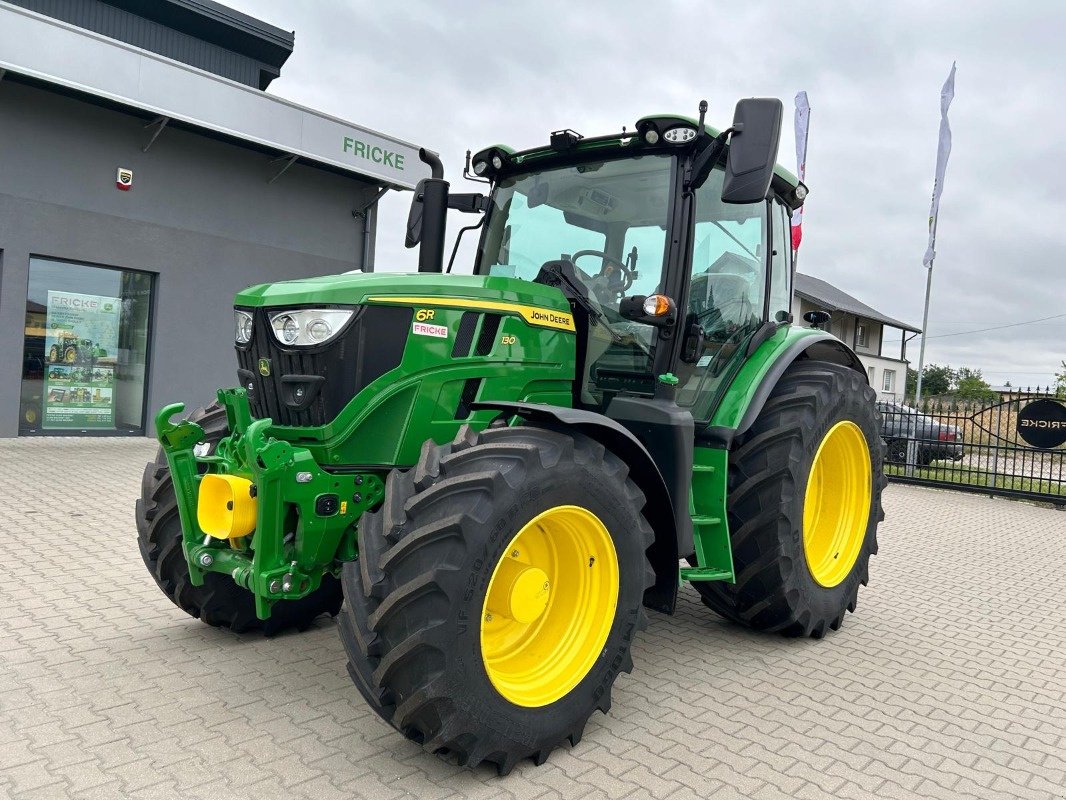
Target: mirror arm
(459, 238)
(469, 203)
(706, 160)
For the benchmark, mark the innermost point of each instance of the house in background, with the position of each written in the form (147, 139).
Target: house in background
(863, 329)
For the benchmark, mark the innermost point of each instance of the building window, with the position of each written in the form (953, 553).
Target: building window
(870, 372)
(86, 349)
(889, 384)
(860, 335)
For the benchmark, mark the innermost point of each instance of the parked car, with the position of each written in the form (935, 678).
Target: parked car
(937, 441)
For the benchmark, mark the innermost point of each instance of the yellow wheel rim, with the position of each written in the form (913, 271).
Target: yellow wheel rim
(549, 606)
(836, 506)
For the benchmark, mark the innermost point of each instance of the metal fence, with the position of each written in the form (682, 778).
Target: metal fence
(1012, 443)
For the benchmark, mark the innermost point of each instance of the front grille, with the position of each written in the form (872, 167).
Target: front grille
(308, 386)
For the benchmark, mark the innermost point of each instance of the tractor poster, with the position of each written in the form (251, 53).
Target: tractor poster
(80, 346)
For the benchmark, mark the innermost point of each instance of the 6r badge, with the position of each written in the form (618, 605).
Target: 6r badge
(264, 367)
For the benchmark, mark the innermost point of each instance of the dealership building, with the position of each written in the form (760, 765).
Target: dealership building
(145, 177)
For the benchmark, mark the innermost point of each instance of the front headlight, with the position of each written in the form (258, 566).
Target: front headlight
(243, 322)
(308, 326)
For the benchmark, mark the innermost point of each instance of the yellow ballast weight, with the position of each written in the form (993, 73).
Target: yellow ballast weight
(226, 508)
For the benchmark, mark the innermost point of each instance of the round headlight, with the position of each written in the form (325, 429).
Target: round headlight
(801, 192)
(286, 329)
(497, 162)
(651, 136)
(480, 167)
(319, 330)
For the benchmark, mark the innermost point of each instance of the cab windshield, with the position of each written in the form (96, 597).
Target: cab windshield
(610, 219)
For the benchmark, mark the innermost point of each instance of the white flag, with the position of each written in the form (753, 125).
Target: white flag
(803, 116)
(947, 94)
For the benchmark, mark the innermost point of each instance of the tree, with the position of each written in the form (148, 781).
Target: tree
(971, 385)
(937, 380)
(1060, 381)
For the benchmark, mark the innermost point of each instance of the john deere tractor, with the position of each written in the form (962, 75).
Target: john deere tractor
(491, 476)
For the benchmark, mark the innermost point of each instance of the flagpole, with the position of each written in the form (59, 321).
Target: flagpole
(925, 327)
(947, 94)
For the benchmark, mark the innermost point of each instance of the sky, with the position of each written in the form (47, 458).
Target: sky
(453, 76)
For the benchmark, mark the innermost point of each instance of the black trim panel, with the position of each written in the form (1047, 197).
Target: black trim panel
(371, 344)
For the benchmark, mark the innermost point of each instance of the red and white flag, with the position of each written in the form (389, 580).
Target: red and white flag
(943, 150)
(803, 115)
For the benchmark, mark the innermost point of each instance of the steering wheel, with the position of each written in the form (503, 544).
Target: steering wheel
(627, 275)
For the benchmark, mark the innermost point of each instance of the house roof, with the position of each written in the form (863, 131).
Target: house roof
(832, 299)
(64, 57)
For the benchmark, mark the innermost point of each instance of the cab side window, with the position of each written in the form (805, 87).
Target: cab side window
(781, 265)
(727, 293)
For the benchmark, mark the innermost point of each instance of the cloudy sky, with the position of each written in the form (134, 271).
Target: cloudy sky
(459, 75)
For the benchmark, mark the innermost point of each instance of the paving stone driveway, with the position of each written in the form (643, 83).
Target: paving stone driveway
(950, 682)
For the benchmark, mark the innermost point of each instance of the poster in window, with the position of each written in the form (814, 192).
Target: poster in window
(81, 344)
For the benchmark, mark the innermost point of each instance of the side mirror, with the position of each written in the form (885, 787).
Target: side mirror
(817, 318)
(752, 150)
(414, 216)
(655, 309)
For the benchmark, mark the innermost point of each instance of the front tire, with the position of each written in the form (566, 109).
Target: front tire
(804, 504)
(448, 634)
(219, 601)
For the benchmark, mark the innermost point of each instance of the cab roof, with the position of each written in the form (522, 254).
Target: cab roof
(785, 182)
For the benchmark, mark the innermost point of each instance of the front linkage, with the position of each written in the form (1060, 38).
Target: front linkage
(270, 517)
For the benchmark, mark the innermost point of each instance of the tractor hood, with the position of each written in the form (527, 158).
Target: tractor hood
(420, 346)
(540, 305)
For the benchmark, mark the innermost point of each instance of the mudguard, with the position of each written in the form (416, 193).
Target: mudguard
(752, 386)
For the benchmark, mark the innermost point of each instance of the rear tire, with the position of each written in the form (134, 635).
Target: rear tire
(219, 601)
(414, 621)
(769, 468)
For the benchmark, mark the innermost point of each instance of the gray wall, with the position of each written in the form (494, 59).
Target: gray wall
(201, 215)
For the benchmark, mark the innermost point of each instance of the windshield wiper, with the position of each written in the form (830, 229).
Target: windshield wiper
(561, 274)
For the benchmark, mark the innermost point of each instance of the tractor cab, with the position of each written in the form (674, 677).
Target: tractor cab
(672, 262)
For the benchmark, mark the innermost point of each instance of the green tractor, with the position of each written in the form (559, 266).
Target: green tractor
(491, 476)
(65, 348)
(69, 349)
